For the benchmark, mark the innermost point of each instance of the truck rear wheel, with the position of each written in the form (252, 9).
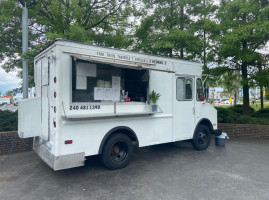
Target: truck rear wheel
(117, 151)
(201, 138)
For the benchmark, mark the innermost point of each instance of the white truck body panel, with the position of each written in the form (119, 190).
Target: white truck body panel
(29, 118)
(175, 120)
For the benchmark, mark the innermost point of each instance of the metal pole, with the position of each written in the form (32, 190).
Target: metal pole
(24, 49)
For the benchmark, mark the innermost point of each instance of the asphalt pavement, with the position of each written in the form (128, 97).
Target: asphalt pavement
(240, 170)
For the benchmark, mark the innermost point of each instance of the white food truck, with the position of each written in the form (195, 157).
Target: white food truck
(92, 100)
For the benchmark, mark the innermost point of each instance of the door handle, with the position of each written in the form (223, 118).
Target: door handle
(193, 110)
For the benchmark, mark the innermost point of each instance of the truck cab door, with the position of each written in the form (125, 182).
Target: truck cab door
(184, 109)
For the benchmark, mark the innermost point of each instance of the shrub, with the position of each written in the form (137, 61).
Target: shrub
(226, 115)
(239, 109)
(8, 121)
(264, 121)
(235, 115)
(262, 113)
(246, 119)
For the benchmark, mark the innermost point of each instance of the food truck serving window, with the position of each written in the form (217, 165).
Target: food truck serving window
(99, 82)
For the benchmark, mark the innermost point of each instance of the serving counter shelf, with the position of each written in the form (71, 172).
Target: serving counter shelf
(120, 109)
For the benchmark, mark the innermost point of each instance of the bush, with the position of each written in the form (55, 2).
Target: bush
(226, 115)
(8, 121)
(262, 113)
(235, 115)
(239, 109)
(246, 119)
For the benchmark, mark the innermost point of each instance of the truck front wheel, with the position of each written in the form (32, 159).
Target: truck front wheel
(117, 151)
(201, 138)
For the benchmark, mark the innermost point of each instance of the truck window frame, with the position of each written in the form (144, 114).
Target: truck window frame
(185, 78)
(202, 91)
(72, 102)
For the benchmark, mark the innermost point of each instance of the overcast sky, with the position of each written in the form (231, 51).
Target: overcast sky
(8, 81)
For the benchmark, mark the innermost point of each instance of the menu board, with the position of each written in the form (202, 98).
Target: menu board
(81, 83)
(116, 94)
(107, 94)
(115, 82)
(98, 93)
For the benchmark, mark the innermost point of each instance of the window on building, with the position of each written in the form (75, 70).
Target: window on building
(99, 82)
(184, 89)
(199, 90)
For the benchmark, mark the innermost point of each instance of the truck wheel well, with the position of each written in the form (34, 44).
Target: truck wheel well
(205, 122)
(120, 129)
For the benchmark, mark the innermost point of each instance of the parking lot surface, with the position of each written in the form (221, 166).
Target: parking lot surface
(170, 171)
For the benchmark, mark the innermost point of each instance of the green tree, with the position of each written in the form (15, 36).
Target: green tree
(244, 29)
(96, 22)
(167, 31)
(261, 77)
(9, 93)
(205, 28)
(8, 121)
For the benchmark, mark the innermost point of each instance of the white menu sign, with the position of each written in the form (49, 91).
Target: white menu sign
(115, 82)
(98, 93)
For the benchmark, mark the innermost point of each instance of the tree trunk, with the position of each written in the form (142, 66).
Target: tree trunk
(261, 87)
(246, 108)
(181, 28)
(235, 97)
(261, 94)
(171, 25)
(181, 53)
(204, 53)
(171, 53)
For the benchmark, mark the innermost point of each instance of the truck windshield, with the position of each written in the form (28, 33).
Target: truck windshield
(199, 90)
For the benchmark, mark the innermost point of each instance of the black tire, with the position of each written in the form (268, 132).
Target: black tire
(117, 151)
(201, 138)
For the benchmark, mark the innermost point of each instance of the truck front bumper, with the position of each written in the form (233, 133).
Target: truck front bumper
(216, 132)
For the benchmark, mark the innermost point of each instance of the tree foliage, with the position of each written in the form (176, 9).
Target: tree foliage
(95, 22)
(9, 93)
(227, 38)
(243, 26)
(8, 121)
(168, 29)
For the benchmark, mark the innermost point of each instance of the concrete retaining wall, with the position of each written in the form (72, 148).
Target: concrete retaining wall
(254, 130)
(20, 145)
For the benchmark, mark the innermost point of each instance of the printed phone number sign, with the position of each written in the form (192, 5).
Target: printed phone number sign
(92, 107)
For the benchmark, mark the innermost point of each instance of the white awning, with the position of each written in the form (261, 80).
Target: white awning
(117, 62)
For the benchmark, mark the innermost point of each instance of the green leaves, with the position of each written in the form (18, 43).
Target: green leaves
(8, 121)
(154, 97)
(100, 22)
(244, 31)
(229, 36)
(167, 31)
